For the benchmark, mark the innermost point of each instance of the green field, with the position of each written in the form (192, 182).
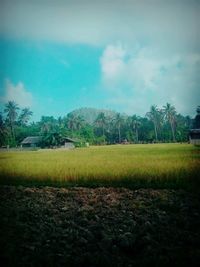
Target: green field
(133, 166)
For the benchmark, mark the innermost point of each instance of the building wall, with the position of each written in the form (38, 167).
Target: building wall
(29, 145)
(195, 141)
(69, 145)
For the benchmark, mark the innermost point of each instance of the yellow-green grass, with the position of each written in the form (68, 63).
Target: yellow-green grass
(152, 165)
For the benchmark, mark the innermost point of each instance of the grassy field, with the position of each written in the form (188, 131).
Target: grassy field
(133, 166)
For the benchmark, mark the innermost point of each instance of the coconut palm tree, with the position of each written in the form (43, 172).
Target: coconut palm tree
(135, 124)
(118, 123)
(47, 124)
(25, 115)
(101, 122)
(74, 122)
(71, 122)
(11, 109)
(79, 122)
(170, 116)
(3, 130)
(60, 122)
(153, 116)
(197, 119)
(1, 122)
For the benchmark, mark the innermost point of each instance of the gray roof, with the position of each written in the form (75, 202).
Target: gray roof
(195, 131)
(68, 139)
(31, 140)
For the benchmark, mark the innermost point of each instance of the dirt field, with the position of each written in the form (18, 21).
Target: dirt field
(98, 227)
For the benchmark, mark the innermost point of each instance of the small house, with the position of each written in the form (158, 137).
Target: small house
(31, 141)
(194, 136)
(69, 143)
(37, 141)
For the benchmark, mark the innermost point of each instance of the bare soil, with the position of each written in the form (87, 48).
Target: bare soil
(98, 227)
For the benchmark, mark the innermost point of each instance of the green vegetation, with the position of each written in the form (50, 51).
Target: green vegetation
(133, 166)
(96, 126)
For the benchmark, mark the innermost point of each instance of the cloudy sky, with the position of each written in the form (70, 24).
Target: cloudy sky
(124, 55)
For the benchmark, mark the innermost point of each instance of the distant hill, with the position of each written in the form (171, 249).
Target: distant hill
(90, 114)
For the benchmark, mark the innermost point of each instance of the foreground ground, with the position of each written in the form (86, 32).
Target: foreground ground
(98, 227)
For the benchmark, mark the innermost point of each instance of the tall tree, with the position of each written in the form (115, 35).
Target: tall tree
(170, 115)
(1, 123)
(25, 116)
(79, 122)
(101, 122)
(74, 122)
(135, 124)
(197, 119)
(48, 124)
(118, 123)
(3, 130)
(71, 122)
(11, 109)
(153, 116)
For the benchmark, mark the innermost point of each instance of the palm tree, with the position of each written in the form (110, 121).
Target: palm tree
(118, 122)
(11, 109)
(52, 139)
(48, 124)
(153, 115)
(79, 122)
(1, 122)
(25, 115)
(71, 122)
(135, 124)
(74, 122)
(197, 119)
(3, 130)
(170, 116)
(101, 122)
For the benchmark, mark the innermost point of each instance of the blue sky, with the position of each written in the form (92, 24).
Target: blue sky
(54, 78)
(57, 56)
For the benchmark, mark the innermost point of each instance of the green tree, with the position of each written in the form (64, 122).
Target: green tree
(118, 120)
(71, 122)
(3, 131)
(80, 122)
(183, 125)
(153, 115)
(170, 116)
(87, 132)
(135, 125)
(25, 116)
(197, 119)
(48, 124)
(101, 122)
(11, 110)
(74, 123)
(51, 140)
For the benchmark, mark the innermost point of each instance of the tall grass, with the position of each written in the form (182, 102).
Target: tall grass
(156, 165)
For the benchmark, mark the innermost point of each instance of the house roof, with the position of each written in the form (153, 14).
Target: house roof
(37, 139)
(67, 139)
(195, 131)
(31, 140)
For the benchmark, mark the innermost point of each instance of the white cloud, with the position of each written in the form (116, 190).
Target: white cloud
(147, 79)
(112, 62)
(156, 58)
(17, 93)
(170, 25)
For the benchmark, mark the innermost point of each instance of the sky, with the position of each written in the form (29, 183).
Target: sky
(123, 55)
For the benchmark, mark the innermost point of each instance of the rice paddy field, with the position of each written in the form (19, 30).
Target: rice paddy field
(133, 166)
(120, 205)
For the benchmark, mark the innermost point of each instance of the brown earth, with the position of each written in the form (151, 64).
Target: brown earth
(98, 227)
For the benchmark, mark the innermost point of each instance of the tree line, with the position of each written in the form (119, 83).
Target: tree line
(159, 125)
